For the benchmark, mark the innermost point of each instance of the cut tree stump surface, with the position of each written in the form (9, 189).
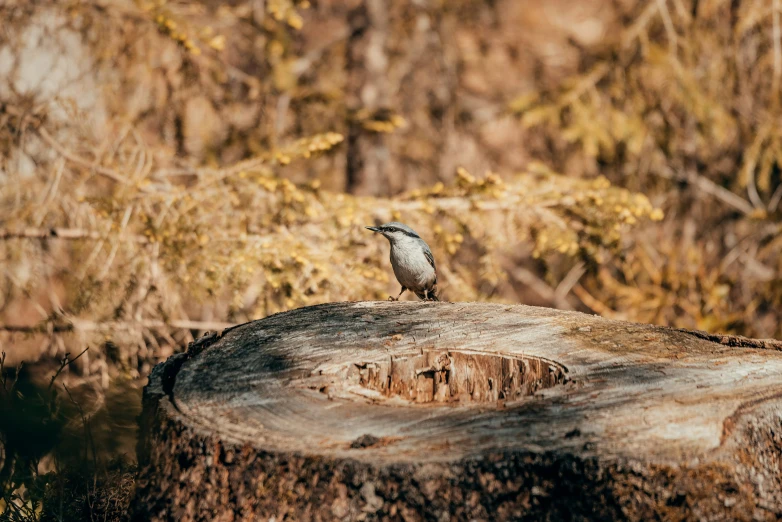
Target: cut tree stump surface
(458, 411)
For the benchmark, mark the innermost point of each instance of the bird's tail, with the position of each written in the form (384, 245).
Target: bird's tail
(430, 294)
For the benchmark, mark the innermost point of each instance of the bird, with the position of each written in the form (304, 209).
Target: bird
(411, 259)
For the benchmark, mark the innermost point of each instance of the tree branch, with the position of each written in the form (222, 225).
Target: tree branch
(65, 362)
(61, 233)
(711, 188)
(540, 287)
(80, 233)
(72, 325)
(73, 158)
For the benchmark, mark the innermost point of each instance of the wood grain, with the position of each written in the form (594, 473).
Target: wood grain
(459, 411)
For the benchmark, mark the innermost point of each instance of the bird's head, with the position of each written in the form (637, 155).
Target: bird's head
(395, 231)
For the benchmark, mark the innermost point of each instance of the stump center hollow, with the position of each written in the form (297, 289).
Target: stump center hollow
(453, 376)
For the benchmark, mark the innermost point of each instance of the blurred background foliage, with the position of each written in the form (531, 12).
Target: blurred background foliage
(172, 167)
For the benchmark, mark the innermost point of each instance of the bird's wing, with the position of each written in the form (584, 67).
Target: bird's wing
(430, 258)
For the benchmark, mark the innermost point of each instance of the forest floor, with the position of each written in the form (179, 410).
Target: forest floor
(71, 451)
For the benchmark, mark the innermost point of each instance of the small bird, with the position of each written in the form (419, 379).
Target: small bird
(411, 259)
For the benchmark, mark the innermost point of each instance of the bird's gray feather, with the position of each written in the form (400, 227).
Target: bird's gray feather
(430, 258)
(411, 259)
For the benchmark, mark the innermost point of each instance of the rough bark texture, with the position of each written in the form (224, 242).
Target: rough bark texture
(461, 411)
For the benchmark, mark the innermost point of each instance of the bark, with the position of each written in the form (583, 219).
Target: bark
(461, 411)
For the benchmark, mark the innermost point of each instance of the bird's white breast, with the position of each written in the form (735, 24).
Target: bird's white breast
(411, 267)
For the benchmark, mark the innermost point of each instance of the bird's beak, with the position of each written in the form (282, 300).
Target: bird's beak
(373, 229)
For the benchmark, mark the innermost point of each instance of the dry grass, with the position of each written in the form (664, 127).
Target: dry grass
(183, 166)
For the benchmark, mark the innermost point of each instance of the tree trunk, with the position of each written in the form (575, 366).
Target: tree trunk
(461, 411)
(368, 159)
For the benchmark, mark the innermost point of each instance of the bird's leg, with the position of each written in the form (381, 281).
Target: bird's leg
(397, 297)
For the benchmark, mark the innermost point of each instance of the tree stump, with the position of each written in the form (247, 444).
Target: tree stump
(461, 411)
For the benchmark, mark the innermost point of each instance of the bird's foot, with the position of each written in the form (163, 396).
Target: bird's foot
(390, 298)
